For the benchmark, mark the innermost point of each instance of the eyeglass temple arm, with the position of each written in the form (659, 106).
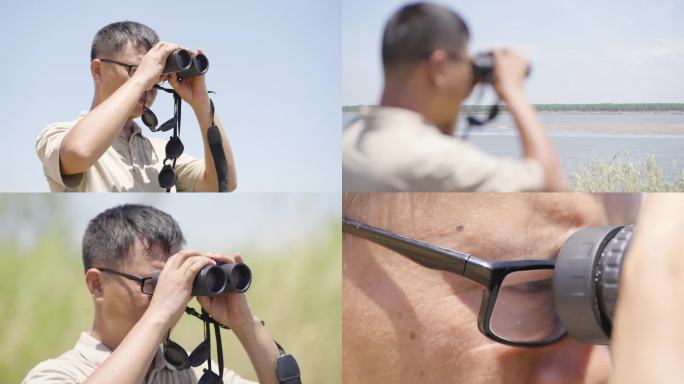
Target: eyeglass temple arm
(425, 254)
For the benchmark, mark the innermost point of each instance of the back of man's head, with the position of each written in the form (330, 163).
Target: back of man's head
(113, 37)
(110, 237)
(416, 30)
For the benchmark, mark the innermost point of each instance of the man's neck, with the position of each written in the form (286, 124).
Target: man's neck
(100, 332)
(399, 94)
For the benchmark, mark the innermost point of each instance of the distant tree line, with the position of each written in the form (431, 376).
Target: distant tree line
(603, 107)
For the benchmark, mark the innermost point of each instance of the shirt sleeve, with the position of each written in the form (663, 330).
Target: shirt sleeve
(188, 170)
(453, 165)
(47, 148)
(49, 372)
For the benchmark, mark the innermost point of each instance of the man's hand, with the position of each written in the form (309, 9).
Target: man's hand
(193, 90)
(230, 309)
(174, 287)
(510, 70)
(152, 64)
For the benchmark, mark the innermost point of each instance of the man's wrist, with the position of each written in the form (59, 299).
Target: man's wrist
(512, 95)
(203, 112)
(202, 106)
(250, 325)
(155, 323)
(138, 84)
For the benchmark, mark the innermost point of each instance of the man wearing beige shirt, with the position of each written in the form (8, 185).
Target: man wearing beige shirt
(407, 143)
(121, 246)
(104, 150)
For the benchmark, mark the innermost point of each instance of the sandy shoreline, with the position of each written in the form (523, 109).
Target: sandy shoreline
(616, 128)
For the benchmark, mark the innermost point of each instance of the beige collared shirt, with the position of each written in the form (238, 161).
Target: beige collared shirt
(393, 149)
(75, 365)
(131, 165)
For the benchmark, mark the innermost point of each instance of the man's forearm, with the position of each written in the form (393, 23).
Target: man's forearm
(261, 350)
(132, 358)
(92, 135)
(536, 143)
(209, 181)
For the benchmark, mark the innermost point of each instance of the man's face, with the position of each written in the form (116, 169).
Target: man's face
(112, 76)
(123, 302)
(454, 86)
(403, 323)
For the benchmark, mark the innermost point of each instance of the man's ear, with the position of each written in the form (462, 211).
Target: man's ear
(93, 278)
(96, 70)
(436, 67)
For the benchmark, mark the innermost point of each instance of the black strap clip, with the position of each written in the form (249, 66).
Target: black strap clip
(287, 369)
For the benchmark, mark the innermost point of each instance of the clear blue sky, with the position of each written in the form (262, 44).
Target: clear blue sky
(275, 68)
(582, 51)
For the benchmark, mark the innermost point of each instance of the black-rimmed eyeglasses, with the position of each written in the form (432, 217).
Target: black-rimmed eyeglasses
(517, 306)
(130, 67)
(146, 285)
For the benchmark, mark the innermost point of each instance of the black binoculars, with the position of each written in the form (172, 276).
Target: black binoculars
(483, 67)
(586, 281)
(185, 65)
(214, 280)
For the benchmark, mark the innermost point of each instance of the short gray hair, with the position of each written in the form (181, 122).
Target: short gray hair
(111, 235)
(113, 37)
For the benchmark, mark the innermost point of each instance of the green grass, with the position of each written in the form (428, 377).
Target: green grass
(621, 174)
(296, 290)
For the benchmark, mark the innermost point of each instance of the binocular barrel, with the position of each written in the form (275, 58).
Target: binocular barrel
(186, 65)
(214, 280)
(586, 281)
(483, 67)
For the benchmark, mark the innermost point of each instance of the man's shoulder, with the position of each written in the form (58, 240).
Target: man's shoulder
(69, 367)
(61, 126)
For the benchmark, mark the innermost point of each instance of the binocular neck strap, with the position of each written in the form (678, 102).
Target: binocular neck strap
(207, 339)
(476, 122)
(219, 348)
(176, 129)
(287, 368)
(217, 153)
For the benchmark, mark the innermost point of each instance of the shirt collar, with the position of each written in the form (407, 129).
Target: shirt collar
(388, 117)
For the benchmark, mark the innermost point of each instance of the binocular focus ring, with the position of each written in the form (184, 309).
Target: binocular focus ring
(577, 288)
(609, 272)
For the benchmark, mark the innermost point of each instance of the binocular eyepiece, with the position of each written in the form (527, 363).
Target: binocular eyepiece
(214, 280)
(585, 281)
(483, 67)
(185, 64)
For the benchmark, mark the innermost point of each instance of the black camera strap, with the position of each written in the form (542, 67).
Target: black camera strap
(474, 122)
(217, 153)
(174, 148)
(287, 368)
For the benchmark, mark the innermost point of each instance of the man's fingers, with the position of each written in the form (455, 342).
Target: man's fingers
(205, 302)
(177, 260)
(220, 257)
(192, 266)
